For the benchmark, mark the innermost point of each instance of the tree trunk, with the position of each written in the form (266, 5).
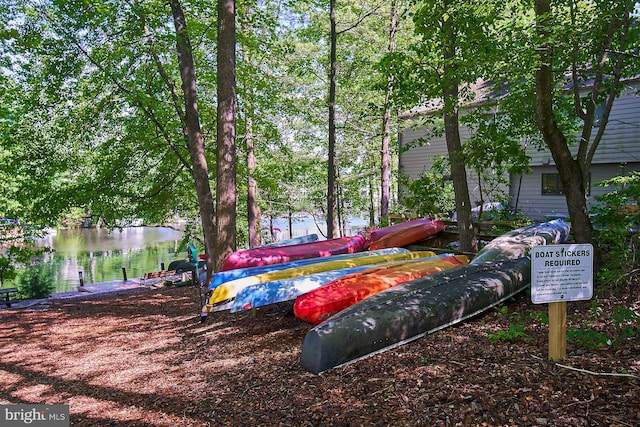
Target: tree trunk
(385, 168)
(253, 210)
(332, 222)
(194, 134)
(226, 133)
(452, 136)
(372, 208)
(569, 170)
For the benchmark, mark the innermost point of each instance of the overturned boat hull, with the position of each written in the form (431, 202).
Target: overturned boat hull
(409, 311)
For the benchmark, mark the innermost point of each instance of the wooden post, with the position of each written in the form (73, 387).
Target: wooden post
(81, 278)
(124, 274)
(162, 266)
(557, 330)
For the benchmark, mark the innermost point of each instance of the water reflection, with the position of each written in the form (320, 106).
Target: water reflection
(101, 255)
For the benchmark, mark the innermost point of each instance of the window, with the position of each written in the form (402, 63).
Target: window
(551, 185)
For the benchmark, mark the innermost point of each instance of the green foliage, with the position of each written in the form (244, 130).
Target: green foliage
(36, 282)
(617, 219)
(432, 194)
(625, 322)
(516, 329)
(7, 270)
(513, 333)
(588, 338)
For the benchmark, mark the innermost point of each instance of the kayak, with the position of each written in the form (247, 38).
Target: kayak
(408, 235)
(289, 289)
(322, 303)
(381, 232)
(412, 309)
(237, 273)
(223, 295)
(307, 238)
(402, 314)
(275, 255)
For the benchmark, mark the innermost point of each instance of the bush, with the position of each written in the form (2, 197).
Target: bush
(36, 282)
(616, 221)
(432, 193)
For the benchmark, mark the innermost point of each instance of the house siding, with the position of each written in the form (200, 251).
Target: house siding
(618, 152)
(419, 159)
(531, 202)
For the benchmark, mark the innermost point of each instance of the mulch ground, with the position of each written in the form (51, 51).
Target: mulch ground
(142, 358)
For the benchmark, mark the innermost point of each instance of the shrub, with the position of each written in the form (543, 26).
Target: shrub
(432, 193)
(616, 219)
(36, 282)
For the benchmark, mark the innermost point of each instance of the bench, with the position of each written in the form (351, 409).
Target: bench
(7, 295)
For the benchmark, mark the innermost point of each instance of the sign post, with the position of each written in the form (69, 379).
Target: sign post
(560, 273)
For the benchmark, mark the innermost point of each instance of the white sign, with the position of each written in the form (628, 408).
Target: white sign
(561, 273)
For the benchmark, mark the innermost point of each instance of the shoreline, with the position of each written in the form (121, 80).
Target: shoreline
(89, 290)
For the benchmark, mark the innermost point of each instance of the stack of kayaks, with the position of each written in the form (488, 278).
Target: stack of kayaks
(410, 310)
(223, 295)
(322, 303)
(238, 273)
(279, 254)
(289, 289)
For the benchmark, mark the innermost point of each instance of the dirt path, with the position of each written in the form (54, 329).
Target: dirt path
(142, 358)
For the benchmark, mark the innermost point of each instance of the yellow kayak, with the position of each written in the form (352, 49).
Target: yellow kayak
(223, 295)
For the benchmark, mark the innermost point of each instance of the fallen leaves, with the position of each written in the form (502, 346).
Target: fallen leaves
(143, 359)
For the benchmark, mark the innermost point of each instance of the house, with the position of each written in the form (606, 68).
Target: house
(538, 194)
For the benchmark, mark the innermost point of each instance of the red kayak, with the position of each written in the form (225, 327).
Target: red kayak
(377, 234)
(411, 232)
(276, 255)
(325, 301)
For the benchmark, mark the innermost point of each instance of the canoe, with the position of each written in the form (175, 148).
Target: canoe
(397, 316)
(517, 243)
(289, 289)
(322, 303)
(410, 310)
(222, 296)
(237, 273)
(408, 235)
(275, 255)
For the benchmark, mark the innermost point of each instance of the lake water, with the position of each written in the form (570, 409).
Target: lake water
(100, 255)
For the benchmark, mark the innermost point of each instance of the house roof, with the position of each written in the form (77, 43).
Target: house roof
(479, 93)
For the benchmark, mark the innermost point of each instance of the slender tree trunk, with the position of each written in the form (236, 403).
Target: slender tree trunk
(332, 222)
(452, 136)
(194, 135)
(569, 170)
(385, 172)
(226, 133)
(372, 207)
(253, 210)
